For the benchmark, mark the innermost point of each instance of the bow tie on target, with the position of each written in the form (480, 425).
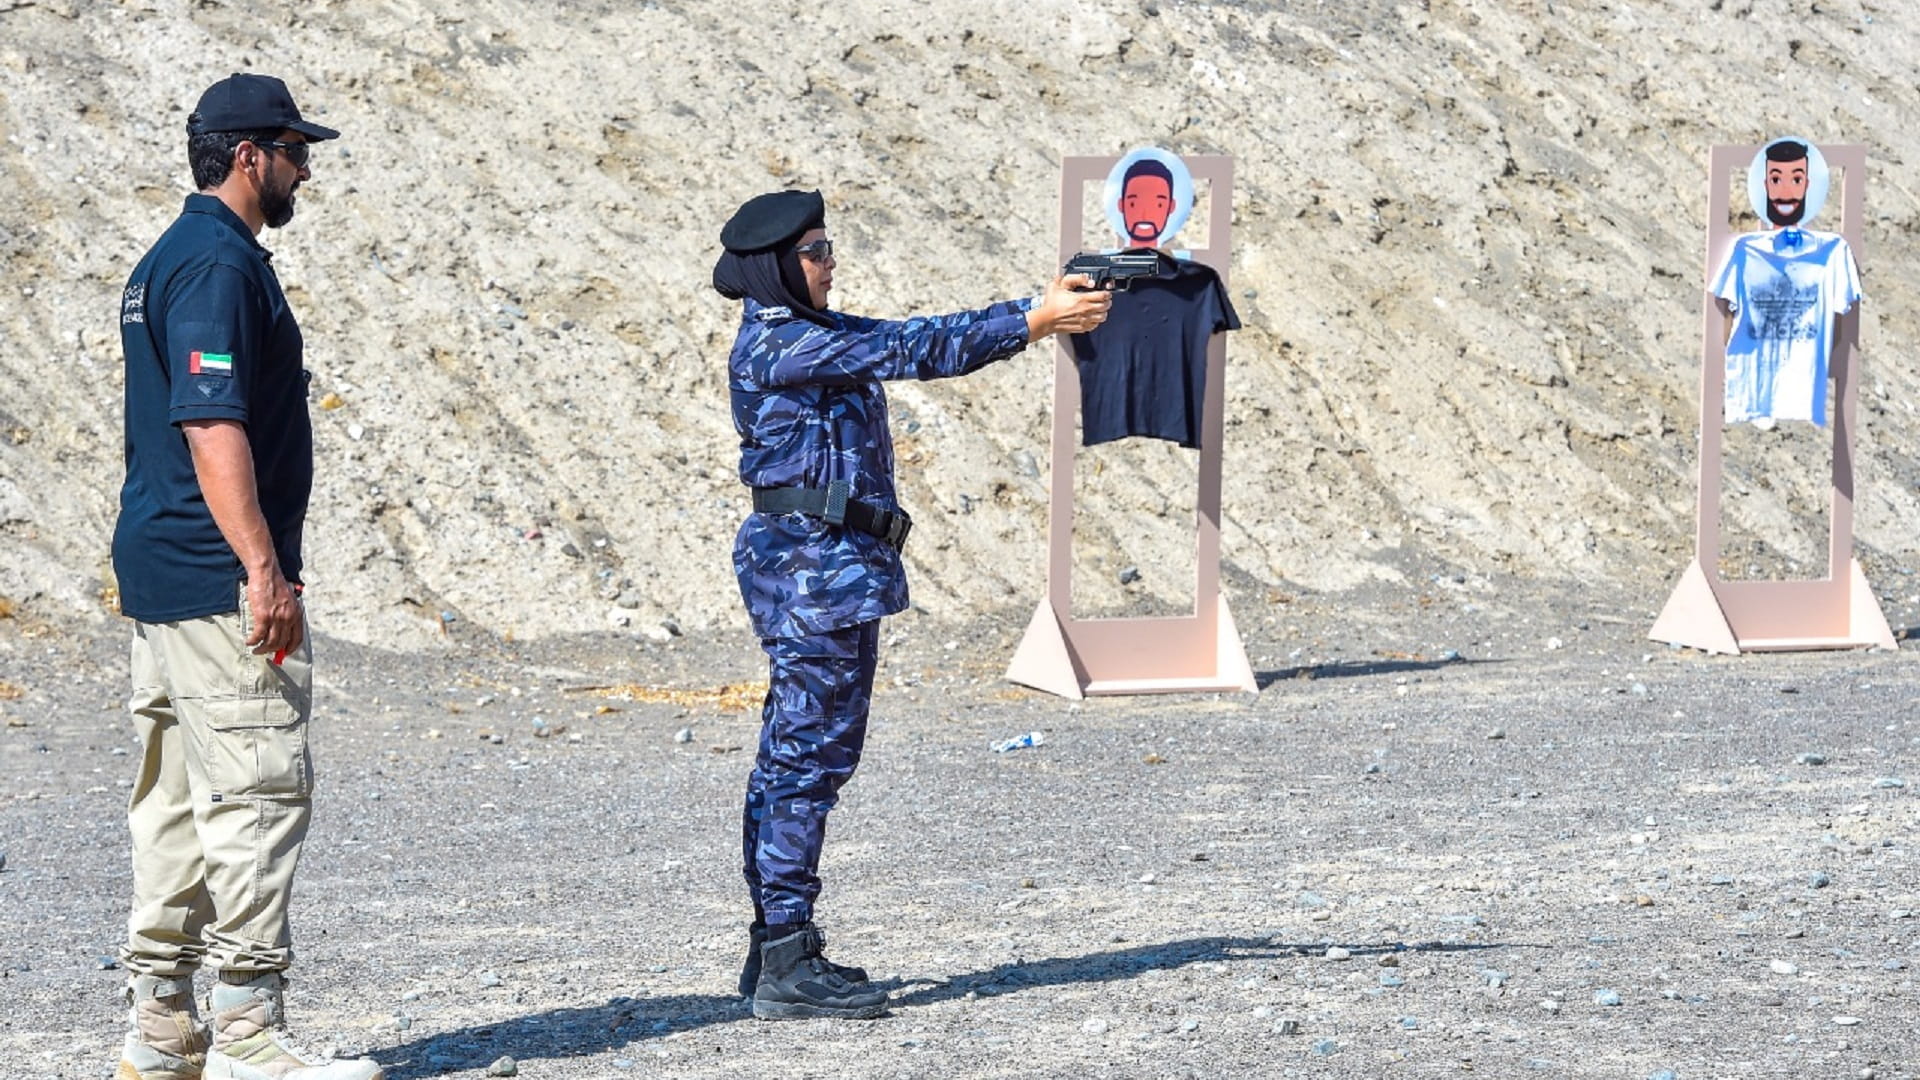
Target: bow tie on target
(1791, 239)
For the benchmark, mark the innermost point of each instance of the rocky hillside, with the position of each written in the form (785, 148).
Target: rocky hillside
(1468, 253)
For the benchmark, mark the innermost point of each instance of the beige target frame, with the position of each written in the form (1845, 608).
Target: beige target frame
(1199, 652)
(1838, 611)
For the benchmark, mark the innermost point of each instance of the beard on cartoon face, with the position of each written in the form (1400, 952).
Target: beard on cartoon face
(1145, 205)
(1786, 192)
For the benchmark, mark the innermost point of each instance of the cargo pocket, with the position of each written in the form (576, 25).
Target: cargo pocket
(257, 748)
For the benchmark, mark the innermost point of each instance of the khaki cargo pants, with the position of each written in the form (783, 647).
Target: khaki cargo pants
(220, 806)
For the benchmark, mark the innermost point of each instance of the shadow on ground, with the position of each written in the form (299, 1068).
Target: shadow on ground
(623, 1021)
(1355, 669)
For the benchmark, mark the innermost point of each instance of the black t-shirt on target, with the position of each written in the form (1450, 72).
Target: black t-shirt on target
(1144, 370)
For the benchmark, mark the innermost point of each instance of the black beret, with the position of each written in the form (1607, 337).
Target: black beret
(770, 220)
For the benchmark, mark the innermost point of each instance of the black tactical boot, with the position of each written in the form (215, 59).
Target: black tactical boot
(750, 971)
(797, 983)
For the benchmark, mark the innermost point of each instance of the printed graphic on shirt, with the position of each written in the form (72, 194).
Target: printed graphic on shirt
(1148, 196)
(209, 363)
(133, 304)
(1780, 309)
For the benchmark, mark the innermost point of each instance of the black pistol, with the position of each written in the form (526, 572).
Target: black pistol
(1114, 271)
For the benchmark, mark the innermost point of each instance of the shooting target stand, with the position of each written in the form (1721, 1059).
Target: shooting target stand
(1835, 612)
(1199, 652)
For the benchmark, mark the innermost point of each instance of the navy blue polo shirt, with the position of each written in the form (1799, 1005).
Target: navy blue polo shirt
(207, 335)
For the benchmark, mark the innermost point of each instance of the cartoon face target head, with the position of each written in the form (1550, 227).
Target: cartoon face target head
(1786, 182)
(1146, 200)
(1147, 197)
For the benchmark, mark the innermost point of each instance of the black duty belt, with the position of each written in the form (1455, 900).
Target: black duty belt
(833, 505)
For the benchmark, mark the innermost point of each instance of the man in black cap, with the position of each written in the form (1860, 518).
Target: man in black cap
(219, 453)
(818, 561)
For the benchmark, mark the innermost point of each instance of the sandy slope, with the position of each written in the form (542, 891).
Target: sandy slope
(1468, 254)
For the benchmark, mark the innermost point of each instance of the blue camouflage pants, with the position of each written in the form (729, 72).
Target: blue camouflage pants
(812, 728)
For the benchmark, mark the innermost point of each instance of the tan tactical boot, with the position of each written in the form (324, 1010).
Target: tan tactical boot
(165, 1038)
(250, 1040)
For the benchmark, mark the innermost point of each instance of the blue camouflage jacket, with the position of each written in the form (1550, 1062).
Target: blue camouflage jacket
(809, 407)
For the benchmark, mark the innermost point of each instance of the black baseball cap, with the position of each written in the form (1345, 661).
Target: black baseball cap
(247, 102)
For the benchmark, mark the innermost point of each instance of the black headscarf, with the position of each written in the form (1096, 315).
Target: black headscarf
(760, 261)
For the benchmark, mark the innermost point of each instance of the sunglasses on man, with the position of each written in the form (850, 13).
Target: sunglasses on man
(296, 151)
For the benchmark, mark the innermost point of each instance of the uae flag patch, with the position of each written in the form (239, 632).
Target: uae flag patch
(210, 363)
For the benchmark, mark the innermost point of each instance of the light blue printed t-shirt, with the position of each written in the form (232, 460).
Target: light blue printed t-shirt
(1785, 287)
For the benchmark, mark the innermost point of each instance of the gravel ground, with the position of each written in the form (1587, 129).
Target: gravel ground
(1476, 832)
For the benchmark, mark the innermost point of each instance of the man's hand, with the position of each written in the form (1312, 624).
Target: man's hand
(1062, 310)
(278, 626)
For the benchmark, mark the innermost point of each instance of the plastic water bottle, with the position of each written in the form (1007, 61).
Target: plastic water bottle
(1020, 742)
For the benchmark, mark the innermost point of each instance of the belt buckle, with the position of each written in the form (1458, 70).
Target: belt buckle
(835, 512)
(897, 530)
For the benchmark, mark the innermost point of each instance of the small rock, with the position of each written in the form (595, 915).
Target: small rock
(1497, 733)
(1288, 1025)
(1130, 575)
(1549, 1005)
(1494, 978)
(3, 860)
(659, 635)
(1391, 981)
(1663, 1074)
(1889, 782)
(505, 1066)
(1555, 643)
(402, 1022)
(106, 963)
(489, 980)
(1410, 1023)
(1783, 967)
(1326, 1048)
(1846, 1021)
(684, 735)
(1818, 880)
(1451, 656)
(1147, 879)
(1335, 952)
(1189, 1025)
(1638, 689)
(1811, 759)
(1095, 1026)
(1262, 1012)
(1606, 997)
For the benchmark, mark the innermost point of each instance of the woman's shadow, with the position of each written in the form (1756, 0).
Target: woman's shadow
(624, 1021)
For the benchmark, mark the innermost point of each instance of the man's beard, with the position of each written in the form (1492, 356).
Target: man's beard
(277, 206)
(1143, 230)
(1791, 217)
